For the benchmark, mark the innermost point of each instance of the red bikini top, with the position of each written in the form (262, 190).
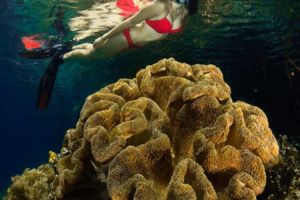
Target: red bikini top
(163, 25)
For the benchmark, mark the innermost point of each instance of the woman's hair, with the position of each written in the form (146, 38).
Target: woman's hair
(192, 7)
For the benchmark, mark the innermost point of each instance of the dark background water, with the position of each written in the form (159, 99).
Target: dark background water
(255, 43)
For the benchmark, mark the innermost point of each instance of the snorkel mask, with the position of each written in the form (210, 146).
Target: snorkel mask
(184, 2)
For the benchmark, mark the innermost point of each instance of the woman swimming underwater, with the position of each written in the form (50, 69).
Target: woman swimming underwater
(152, 22)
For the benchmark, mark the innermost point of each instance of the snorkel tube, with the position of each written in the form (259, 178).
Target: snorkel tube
(191, 5)
(184, 2)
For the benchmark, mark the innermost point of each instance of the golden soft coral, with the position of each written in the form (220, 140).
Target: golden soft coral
(173, 120)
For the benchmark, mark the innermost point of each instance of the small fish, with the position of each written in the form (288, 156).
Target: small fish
(52, 157)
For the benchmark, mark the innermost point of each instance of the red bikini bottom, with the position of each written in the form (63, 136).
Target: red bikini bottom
(127, 35)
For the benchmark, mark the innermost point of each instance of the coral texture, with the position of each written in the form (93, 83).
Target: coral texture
(33, 184)
(171, 133)
(284, 179)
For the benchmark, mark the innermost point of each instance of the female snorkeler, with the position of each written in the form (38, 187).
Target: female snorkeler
(152, 22)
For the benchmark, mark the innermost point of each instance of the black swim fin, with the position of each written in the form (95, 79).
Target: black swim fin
(47, 82)
(48, 49)
(39, 53)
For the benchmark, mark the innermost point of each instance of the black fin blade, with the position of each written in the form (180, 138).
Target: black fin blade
(47, 82)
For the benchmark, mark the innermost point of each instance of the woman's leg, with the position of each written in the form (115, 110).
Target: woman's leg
(79, 52)
(82, 46)
(113, 46)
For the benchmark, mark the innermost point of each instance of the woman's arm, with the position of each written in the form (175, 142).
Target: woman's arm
(153, 9)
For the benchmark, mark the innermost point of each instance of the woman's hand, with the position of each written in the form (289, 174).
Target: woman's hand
(99, 42)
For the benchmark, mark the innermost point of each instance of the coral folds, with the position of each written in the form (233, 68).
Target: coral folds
(171, 133)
